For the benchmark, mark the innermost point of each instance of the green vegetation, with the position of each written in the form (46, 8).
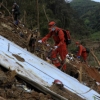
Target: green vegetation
(57, 10)
(89, 12)
(95, 36)
(81, 17)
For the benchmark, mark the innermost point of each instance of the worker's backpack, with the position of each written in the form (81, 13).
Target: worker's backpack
(67, 36)
(87, 50)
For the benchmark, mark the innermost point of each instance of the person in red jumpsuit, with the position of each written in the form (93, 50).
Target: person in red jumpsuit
(60, 46)
(81, 51)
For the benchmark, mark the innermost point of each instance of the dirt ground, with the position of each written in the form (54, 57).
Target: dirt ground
(13, 88)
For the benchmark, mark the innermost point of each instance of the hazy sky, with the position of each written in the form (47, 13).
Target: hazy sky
(91, 0)
(96, 0)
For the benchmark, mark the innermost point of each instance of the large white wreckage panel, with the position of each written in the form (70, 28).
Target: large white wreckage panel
(38, 70)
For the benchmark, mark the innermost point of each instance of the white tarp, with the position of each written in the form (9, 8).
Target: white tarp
(39, 70)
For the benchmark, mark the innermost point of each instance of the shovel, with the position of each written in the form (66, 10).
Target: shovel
(63, 65)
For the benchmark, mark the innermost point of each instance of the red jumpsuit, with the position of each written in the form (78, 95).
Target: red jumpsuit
(58, 37)
(82, 52)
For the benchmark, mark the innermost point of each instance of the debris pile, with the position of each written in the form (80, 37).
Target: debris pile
(13, 88)
(10, 84)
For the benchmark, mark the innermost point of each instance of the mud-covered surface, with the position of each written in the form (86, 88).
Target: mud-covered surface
(14, 88)
(19, 58)
(87, 75)
(65, 93)
(17, 34)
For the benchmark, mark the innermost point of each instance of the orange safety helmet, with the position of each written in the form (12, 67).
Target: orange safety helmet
(77, 43)
(52, 23)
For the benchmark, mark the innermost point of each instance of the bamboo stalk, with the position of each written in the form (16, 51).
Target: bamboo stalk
(6, 9)
(95, 57)
(37, 14)
(38, 33)
(45, 13)
(80, 76)
(24, 17)
(63, 64)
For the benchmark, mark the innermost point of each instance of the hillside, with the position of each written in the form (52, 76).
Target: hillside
(88, 11)
(60, 11)
(19, 35)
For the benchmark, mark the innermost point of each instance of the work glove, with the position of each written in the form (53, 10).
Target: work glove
(48, 45)
(40, 41)
(67, 55)
(78, 57)
(12, 10)
(55, 47)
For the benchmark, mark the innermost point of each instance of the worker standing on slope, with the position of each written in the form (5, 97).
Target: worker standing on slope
(60, 45)
(16, 13)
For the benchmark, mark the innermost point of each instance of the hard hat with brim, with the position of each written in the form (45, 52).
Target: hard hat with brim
(52, 23)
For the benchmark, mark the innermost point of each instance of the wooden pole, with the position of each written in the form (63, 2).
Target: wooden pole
(6, 9)
(80, 76)
(63, 64)
(95, 57)
(38, 25)
(45, 13)
(37, 14)
(24, 17)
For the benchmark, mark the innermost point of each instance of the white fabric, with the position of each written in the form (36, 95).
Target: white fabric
(48, 45)
(55, 47)
(12, 9)
(40, 41)
(67, 55)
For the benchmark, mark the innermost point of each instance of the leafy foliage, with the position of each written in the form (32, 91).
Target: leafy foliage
(57, 10)
(89, 11)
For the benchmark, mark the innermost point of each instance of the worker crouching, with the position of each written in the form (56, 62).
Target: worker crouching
(60, 46)
(81, 52)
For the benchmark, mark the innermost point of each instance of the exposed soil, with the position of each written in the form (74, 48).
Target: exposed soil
(14, 88)
(19, 58)
(65, 93)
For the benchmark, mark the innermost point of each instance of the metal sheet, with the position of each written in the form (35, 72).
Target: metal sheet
(39, 70)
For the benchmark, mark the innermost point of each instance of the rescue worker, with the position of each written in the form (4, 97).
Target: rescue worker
(15, 12)
(81, 52)
(60, 46)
